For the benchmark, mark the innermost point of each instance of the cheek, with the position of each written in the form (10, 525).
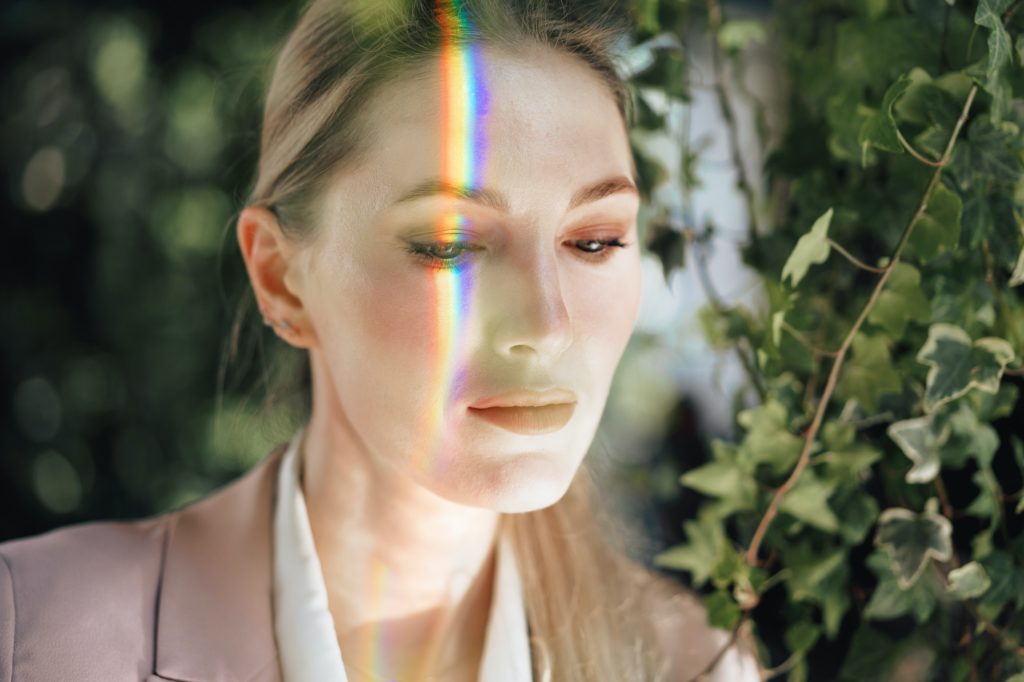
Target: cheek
(605, 307)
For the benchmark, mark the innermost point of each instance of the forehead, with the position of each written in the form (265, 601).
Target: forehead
(545, 124)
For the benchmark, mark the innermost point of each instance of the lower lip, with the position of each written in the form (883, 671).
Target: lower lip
(528, 420)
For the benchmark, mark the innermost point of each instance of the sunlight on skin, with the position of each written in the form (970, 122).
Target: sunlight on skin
(463, 98)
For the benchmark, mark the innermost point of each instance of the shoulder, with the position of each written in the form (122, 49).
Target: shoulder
(681, 621)
(87, 590)
(98, 551)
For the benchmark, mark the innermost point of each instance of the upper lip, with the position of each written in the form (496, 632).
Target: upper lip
(527, 398)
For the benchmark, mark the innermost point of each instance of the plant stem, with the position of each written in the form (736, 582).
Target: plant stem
(837, 365)
(744, 351)
(743, 183)
(853, 259)
(805, 342)
(916, 154)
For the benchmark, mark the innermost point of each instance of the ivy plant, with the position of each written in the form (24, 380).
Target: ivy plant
(869, 514)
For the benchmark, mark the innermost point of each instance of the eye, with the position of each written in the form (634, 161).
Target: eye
(450, 255)
(442, 255)
(598, 250)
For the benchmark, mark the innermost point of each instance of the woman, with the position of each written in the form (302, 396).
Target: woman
(444, 217)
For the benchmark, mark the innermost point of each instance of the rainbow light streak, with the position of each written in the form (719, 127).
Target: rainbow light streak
(464, 105)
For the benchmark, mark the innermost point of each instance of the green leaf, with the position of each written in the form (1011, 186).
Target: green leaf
(969, 581)
(869, 373)
(1017, 276)
(646, 15)
(927, 103)
(801, 636)
(901, 301)
(858, 511)
(1007, 575)
(768, 440)
(958, 364)
(737, 34)
(989, 15)
(723, 612)
(890, 600)
(971, 438)
(668, 244)
(705, 547)
(718, 479)
(808, 502)
(989, 154)
(879, 129)
(812, 248)
(921, 440)
(911, 539)
(938, 228)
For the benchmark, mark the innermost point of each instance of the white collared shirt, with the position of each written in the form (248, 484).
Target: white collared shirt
(304, 629)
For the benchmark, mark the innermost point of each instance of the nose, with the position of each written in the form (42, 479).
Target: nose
(532, 316)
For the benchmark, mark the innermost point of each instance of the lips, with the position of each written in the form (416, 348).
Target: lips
(527, 420)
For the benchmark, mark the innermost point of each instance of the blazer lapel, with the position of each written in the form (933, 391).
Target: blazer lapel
(214, 606)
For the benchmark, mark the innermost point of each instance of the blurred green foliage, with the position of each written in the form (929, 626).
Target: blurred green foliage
(129, 140)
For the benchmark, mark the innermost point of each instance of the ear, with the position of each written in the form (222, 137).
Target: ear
(270, 260)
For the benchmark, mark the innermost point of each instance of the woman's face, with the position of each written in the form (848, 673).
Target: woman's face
(411, 331)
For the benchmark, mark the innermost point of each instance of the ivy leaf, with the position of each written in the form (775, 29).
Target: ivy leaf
(668, 245)
(912, 539)
(723, 612)
(969, 581)
(921, 440)
(991, 153)
(812, 248)
(958, 364)
(869, 373)
(808, 502)
(971, 438)
(938, 228)
(704, 548)
(645, 14)
(890, 600)
(718, 479)
(737, 34)
(1007, 584)
(1017, 276)
(989, 16)
(879, 129)
(768, 440)
(819, 575)
(901, 301)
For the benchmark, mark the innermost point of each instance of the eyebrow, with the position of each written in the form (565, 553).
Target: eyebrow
(497, 201)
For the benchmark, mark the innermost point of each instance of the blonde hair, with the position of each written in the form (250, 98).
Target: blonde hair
(586, 600)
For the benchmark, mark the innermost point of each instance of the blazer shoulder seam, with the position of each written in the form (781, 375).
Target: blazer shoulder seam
(169, 523)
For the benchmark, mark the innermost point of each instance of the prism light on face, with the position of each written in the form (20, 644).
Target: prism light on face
(463, 97)
(463, 104)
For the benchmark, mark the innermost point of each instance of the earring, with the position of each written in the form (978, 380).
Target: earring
(284, 324)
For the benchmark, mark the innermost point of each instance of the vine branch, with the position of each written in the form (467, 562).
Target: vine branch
(743, 183)
(916, 154)
(853, 259)
(837, 365)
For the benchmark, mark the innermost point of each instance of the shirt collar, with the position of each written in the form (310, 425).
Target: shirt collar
(306, 639)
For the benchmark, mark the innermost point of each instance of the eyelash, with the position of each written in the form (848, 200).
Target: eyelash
(423, 252)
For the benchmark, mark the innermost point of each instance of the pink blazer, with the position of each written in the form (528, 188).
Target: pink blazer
(183, 596)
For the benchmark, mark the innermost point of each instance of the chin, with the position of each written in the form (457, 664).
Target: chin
(522, 483)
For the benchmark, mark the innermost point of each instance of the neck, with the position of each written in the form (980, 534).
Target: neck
(408, 574)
